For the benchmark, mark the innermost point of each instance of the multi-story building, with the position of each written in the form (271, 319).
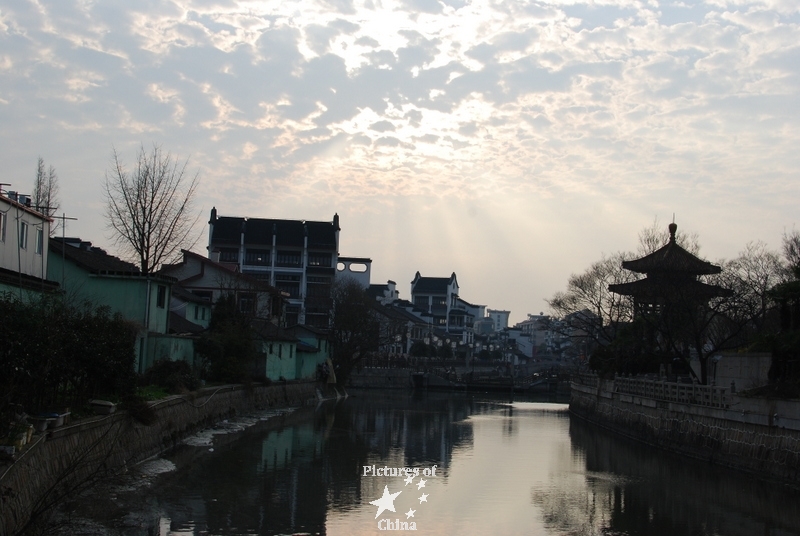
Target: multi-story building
(23, 246)
(499, 317)
(439, 297)
(296, 256)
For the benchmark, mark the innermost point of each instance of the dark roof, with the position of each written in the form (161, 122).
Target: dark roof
(179, 292)
(288, 233)
(671, 258)
(251, 281)
(93, 259)
(431, 285)
(268, 331)
(307, 348)
(18, 279)
(319, 332)
(650, 288)
(178, 325)
(377, 290)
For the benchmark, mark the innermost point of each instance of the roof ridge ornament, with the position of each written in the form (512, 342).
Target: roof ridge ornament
(673, 227)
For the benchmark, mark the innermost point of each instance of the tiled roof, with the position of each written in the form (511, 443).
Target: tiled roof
(93, 259)
(179, 325)
(671, 258)
(431, 285)
(252, 282)
(288, 233)
(268, 331)
(650, 288)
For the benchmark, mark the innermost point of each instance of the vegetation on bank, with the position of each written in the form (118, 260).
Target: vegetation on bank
(754, 307)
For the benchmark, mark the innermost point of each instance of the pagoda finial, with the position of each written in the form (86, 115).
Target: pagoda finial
(673, 227)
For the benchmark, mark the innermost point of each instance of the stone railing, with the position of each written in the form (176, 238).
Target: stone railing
(682, 393)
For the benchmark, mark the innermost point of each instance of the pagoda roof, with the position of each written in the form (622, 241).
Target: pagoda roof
(671, 258)
(650, 288)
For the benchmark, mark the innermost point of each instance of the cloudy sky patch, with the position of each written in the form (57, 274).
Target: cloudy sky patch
(510, 142)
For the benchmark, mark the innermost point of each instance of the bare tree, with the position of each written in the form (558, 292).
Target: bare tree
(656, 235)
(587, 306)
(791, 251)
(45, 192)
(150, 209)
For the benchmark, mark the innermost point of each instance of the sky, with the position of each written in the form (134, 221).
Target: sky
(513, 143)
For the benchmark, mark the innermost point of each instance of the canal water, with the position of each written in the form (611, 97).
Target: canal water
(437, 464)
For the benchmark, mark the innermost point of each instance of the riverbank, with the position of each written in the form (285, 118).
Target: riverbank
(63, 462)
(758, 436)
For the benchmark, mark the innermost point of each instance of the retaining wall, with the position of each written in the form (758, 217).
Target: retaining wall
(381, 378)
(747, 435)
(63, 461)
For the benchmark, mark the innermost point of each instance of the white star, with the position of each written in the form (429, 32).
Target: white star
(409, 480)
(410, 513)
(421, 484)
(386, 502)
(422, 499)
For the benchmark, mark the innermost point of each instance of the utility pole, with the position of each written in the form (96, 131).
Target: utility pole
(63, 219)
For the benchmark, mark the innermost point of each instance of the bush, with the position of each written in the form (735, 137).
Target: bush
(174, 376)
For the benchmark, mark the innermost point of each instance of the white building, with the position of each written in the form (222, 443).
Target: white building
(23, 244)
(499, 317)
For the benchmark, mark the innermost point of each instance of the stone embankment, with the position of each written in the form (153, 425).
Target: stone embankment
(61, 462)
(758, 436)
(381, 378)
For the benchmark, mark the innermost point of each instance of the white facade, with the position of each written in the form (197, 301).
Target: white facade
(357, 268)
(24, 237)
(500, 318)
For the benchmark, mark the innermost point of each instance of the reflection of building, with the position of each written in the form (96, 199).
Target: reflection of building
(298, 257)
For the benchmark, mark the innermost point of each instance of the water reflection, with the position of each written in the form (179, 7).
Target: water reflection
(516, 467)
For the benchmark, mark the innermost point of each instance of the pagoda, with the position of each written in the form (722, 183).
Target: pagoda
(671, 280)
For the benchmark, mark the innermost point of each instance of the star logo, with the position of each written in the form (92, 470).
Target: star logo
(409, 480)
(410, 513)
(421, 484)
(422, 499)
(386, 502)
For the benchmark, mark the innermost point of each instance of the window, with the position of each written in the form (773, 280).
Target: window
(288, 283)
(39, 241)
(319, 259)
(23, 235)
(196, 312)
(2, 226)
(288, 258)
(229, 255)
(161, 297)
(257, 257)
(247, 303)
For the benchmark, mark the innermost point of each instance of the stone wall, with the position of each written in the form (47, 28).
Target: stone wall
(747, 435)
(63, 461)
(380, 378)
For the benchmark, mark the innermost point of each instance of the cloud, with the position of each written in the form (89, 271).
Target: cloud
(632, 104)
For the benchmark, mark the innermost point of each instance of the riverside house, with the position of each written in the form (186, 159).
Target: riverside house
(89, 274)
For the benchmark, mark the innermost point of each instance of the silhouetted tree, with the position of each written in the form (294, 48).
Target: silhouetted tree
(150, 210)
(355, 327)
(45, 192)
(228, 347)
